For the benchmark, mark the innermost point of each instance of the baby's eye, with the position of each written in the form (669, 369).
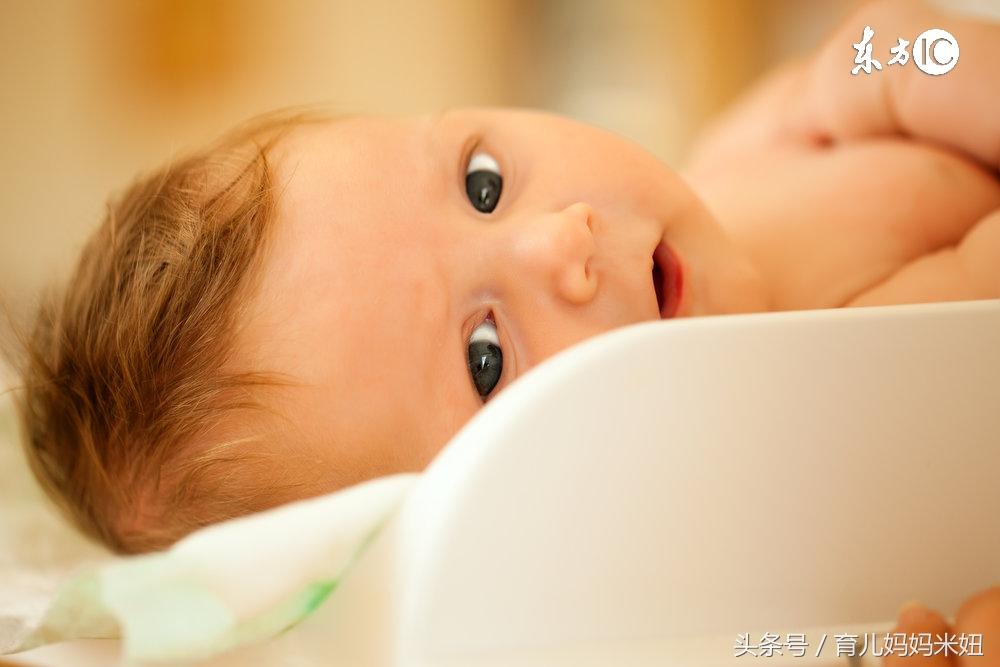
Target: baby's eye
(483, 182)
(485, 357)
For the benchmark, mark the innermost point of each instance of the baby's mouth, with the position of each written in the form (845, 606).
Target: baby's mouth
(668, 280)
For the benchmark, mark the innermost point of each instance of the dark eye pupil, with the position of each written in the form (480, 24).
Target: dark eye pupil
(485, 365)
(483, 188)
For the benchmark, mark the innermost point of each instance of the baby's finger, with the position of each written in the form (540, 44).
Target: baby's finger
(915, 619)
(980, 615)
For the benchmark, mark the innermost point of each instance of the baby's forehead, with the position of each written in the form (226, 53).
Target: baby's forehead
(348, 137)
(359, 175)
(338, 291)
(350, 195)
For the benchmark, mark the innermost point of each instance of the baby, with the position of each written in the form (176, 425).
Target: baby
(312, 302)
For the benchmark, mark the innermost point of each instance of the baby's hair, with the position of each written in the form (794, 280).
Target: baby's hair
(128, 374)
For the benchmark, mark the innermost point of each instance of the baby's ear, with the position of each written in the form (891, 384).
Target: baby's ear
(955, 109)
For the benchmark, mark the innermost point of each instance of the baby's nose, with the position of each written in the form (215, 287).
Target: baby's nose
(557, 249)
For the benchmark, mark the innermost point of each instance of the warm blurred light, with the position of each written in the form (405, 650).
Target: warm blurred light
(174, 44)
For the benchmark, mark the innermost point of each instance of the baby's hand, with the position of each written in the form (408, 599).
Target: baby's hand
(979, 615)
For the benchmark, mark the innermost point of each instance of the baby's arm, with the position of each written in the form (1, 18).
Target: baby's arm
(967, 270)
(816, 107)
(958, 109)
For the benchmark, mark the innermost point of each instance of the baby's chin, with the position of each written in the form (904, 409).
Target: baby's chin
(740, 288)
(720, 277)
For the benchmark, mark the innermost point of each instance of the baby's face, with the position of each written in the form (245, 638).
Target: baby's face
(418, 266)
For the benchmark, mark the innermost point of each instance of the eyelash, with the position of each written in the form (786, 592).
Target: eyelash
(473, 145)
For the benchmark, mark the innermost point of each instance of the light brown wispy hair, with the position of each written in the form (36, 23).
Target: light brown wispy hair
(127, 376)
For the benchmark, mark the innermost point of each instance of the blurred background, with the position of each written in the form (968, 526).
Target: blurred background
(95, 91)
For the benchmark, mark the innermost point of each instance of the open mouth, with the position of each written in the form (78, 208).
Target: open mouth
(668, 280)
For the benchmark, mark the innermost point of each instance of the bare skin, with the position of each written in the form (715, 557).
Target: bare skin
(869, 189)
(820, 190)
